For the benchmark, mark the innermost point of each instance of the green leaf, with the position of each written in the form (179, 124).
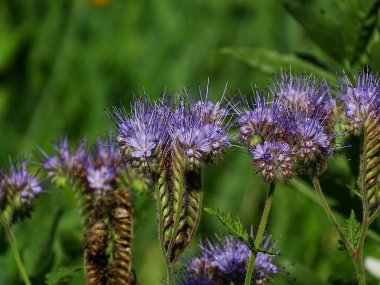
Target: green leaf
(233, 225)
(359, 23)
(352, 229)
(62, 276)
(322, 28)
(270, 61)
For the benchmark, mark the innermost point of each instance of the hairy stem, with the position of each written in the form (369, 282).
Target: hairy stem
(330, 215)
(260, 233)
(16, 255)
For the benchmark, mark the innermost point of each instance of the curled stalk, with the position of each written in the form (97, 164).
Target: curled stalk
(190, 213)
(84, 200)
(178, 189)
(164, 212)
(121, 220)
(372, 161)
(260, 233)
(95, 245)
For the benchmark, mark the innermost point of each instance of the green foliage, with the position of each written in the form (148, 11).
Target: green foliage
(235, 228)
(62, 276)
(352, 229)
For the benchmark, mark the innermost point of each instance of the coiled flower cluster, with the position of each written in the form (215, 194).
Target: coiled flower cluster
(153, 129)
(225, 261)
(361, 100)
(291, 130)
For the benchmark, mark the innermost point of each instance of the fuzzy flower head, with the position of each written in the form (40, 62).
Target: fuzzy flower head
(264, 121)
(19, 189)
(303, 94)
(200, 138)
(64, 162)
(142, 134)
(273, 161)
(313, 145)
(104, 166)
(226, 261)
(362, 100)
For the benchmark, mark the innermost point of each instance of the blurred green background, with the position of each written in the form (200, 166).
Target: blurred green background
(62, 63)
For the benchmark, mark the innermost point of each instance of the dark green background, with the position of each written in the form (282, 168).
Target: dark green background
(62, 63)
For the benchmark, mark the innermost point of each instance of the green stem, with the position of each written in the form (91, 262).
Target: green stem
(331, 216)
(358, 262)
(14, 249)
(260, 233)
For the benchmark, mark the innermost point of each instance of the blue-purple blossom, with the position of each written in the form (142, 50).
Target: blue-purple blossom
(20, 185)
(261, 122)
(273, 161)
(142, 134)
(362, 100)
(226, 261)
(100, 179)
(312, 142)
(199, 141)
(303, 94)
(97, 169)
(65, 161)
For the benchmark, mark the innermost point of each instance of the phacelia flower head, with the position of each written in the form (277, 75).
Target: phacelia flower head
(260, 122)
(19, 188)
(313, 145)
(273, 161)
(65, 161)
(305, 95)
(199, 141)
(362, 100)
(104, 166)
(142, 134)
(199, 131)
(226, 261)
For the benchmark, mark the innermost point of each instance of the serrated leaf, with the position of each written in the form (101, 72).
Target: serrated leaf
(233, 225)
(352, 229)
(322, 28)
(270, 61)
(62, 276)
(235, 228)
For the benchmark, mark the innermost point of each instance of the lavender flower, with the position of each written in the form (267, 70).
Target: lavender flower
(273, 161)
(303, 94)
(199, 141)
(226, 261)
(362, 100)
(264, 121)
(314, 146)
(18, 189)
(64, 162)
(144, 133)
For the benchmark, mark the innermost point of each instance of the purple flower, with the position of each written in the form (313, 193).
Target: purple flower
(226, 261)
(362, 100)
(273, 161)
(143, 133)
(64, 162)
(200, 140)
(314, 146)
(303, 94)
(265, 121)
(100, 179)
(19, 183)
